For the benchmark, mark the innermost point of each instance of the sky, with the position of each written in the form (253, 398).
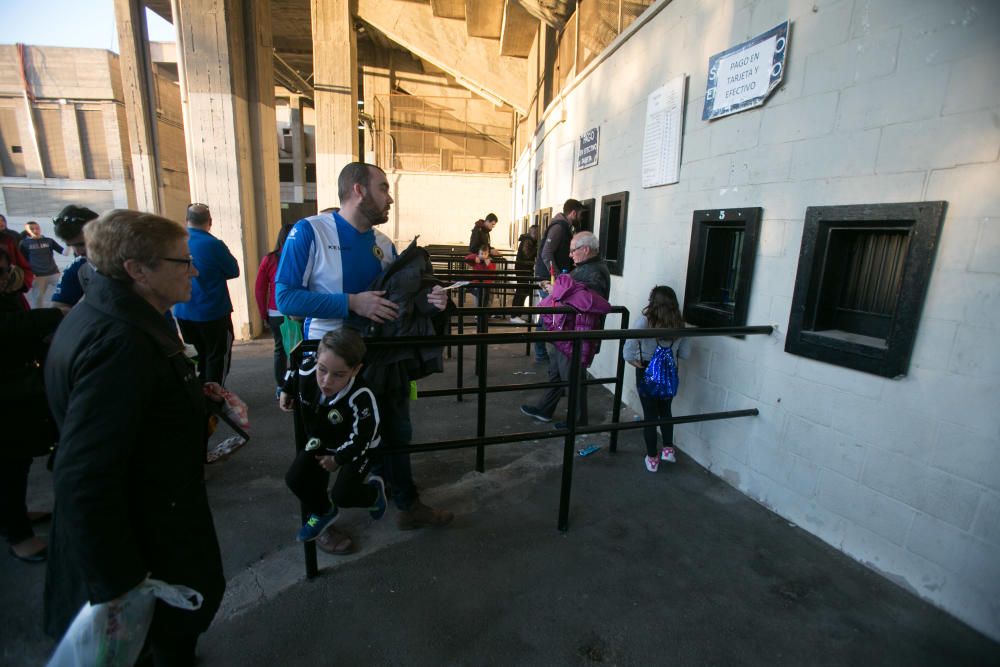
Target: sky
(79, 23)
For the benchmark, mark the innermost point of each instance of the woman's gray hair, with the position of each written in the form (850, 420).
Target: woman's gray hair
(121, 234)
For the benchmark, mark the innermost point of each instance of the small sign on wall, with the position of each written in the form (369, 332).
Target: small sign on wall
(586, 155)
(661, 140)
(743, 76)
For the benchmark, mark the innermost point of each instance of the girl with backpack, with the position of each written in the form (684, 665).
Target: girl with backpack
(656, 377)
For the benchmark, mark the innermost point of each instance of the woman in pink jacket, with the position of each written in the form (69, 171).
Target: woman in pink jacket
(266, 306)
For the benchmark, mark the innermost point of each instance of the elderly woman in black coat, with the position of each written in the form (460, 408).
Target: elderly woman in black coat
(130, 494)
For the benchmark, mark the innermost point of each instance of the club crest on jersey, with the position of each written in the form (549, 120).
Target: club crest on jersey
(335, 417)
(377, 251)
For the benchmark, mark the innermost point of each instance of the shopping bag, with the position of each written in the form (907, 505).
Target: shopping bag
(111, 634)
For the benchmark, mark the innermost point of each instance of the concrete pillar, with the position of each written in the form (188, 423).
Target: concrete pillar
(25, 114)
(116, 136)
(71, 142)
(137, 88)
(297, 121)
(227, 98)
(376, 79)
(335, 81)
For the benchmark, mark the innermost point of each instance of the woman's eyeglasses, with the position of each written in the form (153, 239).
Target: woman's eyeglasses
(188, 261)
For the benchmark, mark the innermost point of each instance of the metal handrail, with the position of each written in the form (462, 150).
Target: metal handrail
(483, 339)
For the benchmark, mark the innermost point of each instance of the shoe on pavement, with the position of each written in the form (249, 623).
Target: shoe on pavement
(378, 509)
(421, 516)
(652, 463)
(668, 455)
(517, 320)
(315, 525)
(335, 542)
(535, 413)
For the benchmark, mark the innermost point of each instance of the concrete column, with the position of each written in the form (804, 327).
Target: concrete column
(116, 136)
(137, 88)
(297, 122)
(376, 79)
(71, 142)
(263, 125)
(29, 140)
(227, 97)
(335, 80)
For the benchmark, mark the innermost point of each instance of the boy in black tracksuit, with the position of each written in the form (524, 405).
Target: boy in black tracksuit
(341, 420)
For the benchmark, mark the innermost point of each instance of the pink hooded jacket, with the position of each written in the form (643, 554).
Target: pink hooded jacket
(591, 308)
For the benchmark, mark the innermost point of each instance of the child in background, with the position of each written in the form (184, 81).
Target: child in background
(662, 312)
(341, 420)
(481, 261)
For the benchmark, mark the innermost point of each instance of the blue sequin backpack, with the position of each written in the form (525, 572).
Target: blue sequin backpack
(660, 380)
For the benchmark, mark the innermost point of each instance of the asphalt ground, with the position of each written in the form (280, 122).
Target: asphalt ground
(671, 568)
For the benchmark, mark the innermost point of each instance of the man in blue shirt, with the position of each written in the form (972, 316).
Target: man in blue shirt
(327, 264)
(69, 227)
(40, 251)
(206, 320)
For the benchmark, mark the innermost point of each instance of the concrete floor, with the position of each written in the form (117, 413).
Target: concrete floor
(672, 568)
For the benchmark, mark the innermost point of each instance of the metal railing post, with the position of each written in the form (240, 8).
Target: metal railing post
(308, 548)
(616, 406)
(481, 408)
(570, 438)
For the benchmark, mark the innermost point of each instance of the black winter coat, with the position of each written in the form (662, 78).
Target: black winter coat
(406, 282)
(129, 480)
(24, 412)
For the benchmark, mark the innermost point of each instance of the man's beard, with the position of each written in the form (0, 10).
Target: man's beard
(373, 213)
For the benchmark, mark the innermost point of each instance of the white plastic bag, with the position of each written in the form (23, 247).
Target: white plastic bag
(111, 634)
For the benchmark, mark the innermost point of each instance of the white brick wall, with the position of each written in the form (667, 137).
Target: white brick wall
(443, 207)
(883, 101)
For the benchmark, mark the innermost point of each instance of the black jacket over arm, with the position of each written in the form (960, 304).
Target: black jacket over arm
(129, 480)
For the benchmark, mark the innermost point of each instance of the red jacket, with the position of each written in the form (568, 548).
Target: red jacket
(263, 289)
(472, 259)
(17, 259)
(591, 308)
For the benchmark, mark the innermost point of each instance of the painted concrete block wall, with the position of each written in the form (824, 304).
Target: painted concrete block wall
(883, 101)
(442, 207)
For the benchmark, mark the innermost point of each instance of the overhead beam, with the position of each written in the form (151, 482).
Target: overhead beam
(518, 31)
(473, 61)
(448, 9)
(483, 18)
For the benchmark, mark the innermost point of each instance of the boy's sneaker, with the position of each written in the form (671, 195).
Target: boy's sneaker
(652, 464)
(315, 525)
(668, 455)
(378, 509)
(535, 413)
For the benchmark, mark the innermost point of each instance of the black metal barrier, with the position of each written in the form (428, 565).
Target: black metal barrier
(481, 441)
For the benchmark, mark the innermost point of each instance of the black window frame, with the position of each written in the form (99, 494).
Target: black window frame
(808, 335)
(616, 263)
(704, 313)
(586, 219)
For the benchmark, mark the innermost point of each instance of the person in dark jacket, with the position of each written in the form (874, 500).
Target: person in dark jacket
(28, 428)
(341, 419)
(480, 235)
(527, 250)
(130, 499)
